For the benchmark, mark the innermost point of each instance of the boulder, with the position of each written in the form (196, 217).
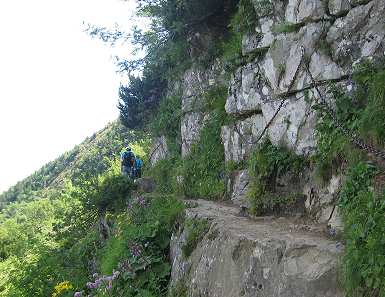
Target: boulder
(299, 11)
(359, 34)
(239, 139)
(145, 184)
(265, 257)
(240, 187)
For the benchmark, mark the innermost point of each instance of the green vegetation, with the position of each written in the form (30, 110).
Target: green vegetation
(287, 28)
(86, 160)
(176, 39)
(201, 173)
(166, 174)
(87, 233)
(203, 168)
(195, 230)
(362, 112)
(244, 20)
(167, 122)
(266, 165)
(363, 211)
(178, 290)
(141, 242)
(362, 199)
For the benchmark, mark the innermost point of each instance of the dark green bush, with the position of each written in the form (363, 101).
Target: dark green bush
(167, 122)
(370, 94)
(111, 193)
(166, 173)
(245, 19)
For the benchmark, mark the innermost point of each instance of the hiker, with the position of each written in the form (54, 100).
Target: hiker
(138, 168)
(127, 159)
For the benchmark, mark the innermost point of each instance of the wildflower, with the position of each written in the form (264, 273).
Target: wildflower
(78, 294)
(125, 266)
(59, 288)
(141, 201)
(109, 286)
(135, 249)
(91, 285)
(95, 275)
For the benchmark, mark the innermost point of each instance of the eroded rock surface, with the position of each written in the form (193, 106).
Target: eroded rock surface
(264, 257)
(159, 150)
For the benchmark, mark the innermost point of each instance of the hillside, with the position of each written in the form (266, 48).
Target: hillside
(265, 175)
(90, 158)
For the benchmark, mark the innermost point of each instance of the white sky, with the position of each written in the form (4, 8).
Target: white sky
(57, 85)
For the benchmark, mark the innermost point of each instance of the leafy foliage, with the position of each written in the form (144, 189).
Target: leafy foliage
(203, 168)
(370, 79)
(53, 242)
(166, 174)
(362, 111)
(266, 165)
(167, 122)
(140, 247)
(173, 42)
(363, 213)
(244, 20)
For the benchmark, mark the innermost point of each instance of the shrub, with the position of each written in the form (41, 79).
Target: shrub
(362, 112)
(370, 79)
(167, 122)
(166, 173)
(139, 247)
(363, 215)
(111, 193)
(244, 20)
(265, 166)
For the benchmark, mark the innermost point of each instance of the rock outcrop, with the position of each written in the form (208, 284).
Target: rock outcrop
(159, 150)
(296, 40)
(195, 83)
(266, 257)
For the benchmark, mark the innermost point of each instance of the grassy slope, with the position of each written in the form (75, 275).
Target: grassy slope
(90, 158)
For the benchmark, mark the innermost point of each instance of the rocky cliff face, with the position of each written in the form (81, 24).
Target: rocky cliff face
(293, 42)
(297, 45)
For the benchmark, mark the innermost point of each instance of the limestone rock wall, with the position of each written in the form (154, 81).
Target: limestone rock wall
(292, 39)
(159, 150)
(334, 37)
(195, 83)
(323, 38)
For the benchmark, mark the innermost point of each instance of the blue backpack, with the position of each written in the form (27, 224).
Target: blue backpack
(138, 163)
(128, 159)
